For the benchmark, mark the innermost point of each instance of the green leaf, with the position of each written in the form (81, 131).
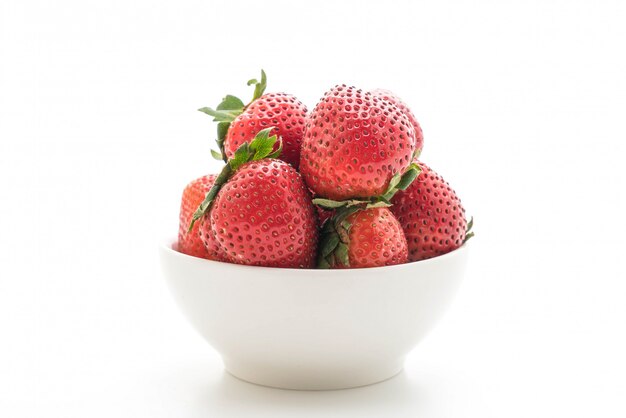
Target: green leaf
(216, 155)
(334, 248)
(342, 213)
(384, 199)
(231, 103)
(222, 130)
(208, 111)
(393, 182)
(259, 86)
(468, 232)
(328, 228)
(278, 151)
(329, 244)
(242, 156)
(263, 144)
(341, 224)
(322, 263)
(355, 202)
(221, 115)
(229, 108)
(204, 207)
(387, 196)
(329, 204)
(380, 204)
(409, 175)
(341, 253)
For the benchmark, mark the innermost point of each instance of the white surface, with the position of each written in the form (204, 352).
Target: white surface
(522, 105)
(313, 329)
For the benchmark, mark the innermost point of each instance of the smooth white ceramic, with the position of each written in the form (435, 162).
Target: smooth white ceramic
(312, 329)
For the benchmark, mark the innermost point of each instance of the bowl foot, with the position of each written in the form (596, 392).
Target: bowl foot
(303, 378)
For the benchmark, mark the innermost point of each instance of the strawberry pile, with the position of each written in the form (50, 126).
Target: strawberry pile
(338, 187)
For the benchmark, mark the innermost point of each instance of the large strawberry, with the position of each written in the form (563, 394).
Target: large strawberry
(190, 242)
(419, 135)
(354, 143)
(239, 123)
(363, 238)
(431, 216)
(261, 210)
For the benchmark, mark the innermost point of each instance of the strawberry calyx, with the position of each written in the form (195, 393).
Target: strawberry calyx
(259, 86)
(334, 237)
(261, 147)
(400, 181)
(229, 108)
(468, 232)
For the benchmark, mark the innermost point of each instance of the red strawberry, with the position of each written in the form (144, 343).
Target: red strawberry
(419, 135)
(354, 143)
(260, 209)
(263, 216)
(239, 123)
(283, 111)
(431, 216)
(365, 238)
(190, 242)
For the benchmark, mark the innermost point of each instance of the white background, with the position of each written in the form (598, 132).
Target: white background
(523, 107)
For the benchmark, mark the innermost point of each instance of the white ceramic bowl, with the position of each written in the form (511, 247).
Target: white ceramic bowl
(312, 329)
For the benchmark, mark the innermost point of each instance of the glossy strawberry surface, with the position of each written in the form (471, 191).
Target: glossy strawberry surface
(376, 239)
(431, 216)
(354, 143)
(190, 242)
(388, 95)
(263, 216)
(283, 111)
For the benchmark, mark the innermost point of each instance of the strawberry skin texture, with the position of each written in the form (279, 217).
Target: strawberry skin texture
(263, 216)
(283, 111)
(354, 142)
(376, 239)
(192, 243)
(431, 216)
(388, 95)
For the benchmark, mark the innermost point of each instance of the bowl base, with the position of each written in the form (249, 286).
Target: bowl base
(300, 379)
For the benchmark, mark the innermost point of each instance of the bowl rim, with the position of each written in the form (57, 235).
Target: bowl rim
(168, 246)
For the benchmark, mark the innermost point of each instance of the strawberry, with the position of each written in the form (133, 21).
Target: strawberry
(190, 242)
(281, 110)
(363, 238)
(239, 123)
(354, 143)
(431, 216)
(261, 210)
(419, 135)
